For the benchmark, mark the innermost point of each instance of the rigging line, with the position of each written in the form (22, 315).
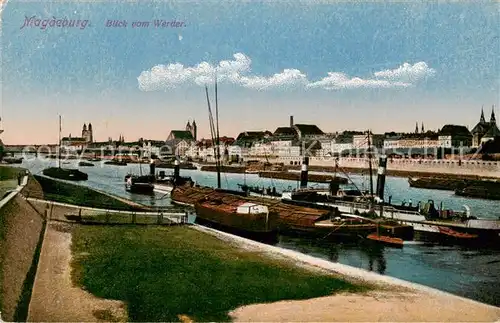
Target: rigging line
(210, 120)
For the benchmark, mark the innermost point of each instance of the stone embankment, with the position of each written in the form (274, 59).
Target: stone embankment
(295, 176)
(21, 235)
(399, 167)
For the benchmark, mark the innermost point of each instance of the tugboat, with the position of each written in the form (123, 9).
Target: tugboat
(139, 184)
(64, 173)
(142, 184)
(427, 219)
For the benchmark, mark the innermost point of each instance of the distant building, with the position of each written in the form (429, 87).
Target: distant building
(485, 131)
(181, 140)
(79, 143)
(453, 136)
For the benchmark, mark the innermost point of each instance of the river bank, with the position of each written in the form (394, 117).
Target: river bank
(205, 278)
(79, 281)
(392, 300)
(350, 170)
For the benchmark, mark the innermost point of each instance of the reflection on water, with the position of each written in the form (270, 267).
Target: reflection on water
(459, 270)
(471, 273)
(364, 254)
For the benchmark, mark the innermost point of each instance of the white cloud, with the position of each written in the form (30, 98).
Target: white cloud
(407, 73)
(339, 81)
(287, 78)
(238, 71)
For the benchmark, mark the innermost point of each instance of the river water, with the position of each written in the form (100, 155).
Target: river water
(472, 273)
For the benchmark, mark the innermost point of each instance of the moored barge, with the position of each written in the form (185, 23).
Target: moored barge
(237, 214)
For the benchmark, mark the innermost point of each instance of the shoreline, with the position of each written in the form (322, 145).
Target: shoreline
(394, 291)
(349, 170)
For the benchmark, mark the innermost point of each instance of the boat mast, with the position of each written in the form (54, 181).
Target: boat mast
(218, 161)
(212, 127)
(370, 165)
(59, 150)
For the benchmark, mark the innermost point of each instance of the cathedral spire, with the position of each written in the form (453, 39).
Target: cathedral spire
(423, 130)
(493, 120)
(416, 127)
(482, 120)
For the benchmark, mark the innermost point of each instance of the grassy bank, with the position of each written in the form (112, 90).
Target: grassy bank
(162, 273)
(80, 195)
(10, 173)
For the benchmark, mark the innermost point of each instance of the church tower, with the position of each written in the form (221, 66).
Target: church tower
(482, 120)
(416, 127)
(194, 130)
(90, 133)
(423, 130)
(493, 120)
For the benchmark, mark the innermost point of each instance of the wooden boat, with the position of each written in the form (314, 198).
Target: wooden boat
(116, 162)
(83, 163)
(391, 241)
(66, 174)
(12, 160)
(290, 218)
(237, 214)
(459, 235)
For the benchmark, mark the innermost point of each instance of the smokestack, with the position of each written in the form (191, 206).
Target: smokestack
(382, 168)
(303, 174)
(177, 168)
(152, 168)
(291, 121)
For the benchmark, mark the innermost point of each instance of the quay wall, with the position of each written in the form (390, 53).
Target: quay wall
(21, 236)
(443, 166)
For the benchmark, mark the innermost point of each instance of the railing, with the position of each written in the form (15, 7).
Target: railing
(107, 216)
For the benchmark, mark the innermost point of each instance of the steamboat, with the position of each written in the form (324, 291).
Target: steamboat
(427, 219)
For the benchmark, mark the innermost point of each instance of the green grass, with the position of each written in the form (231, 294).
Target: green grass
(6, 185)
(7, 172)
(163, 272)
(79, 195)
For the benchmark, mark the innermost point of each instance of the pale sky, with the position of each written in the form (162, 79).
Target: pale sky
(339, 65)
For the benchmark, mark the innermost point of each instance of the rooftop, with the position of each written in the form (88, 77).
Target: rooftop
(308, 129)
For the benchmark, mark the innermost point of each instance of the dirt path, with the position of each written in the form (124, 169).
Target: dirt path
(54, 297)
(372, 307)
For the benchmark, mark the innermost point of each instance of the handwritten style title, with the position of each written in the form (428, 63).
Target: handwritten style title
(54, 22)
(158, 23)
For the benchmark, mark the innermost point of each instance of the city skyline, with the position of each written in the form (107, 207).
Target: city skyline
(341, 66)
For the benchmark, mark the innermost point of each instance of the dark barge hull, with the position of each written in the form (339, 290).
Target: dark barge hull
(259, 223)
(140, 188)
(479, 192)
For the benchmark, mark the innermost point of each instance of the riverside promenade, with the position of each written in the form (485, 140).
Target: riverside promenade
(480, 168)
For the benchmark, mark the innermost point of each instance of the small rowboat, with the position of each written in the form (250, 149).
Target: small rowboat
(460, 235)
(391, 241)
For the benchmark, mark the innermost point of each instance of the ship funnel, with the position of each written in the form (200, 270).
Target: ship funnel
(382, 169)
(303, 173)
(334, 187)
(152, 167)
(177, 168)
